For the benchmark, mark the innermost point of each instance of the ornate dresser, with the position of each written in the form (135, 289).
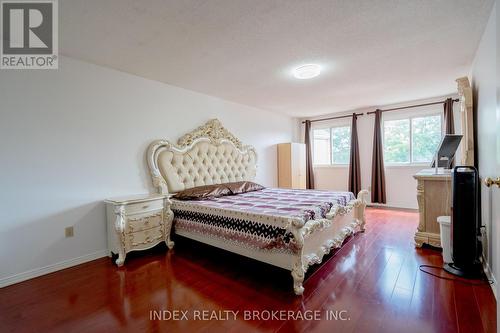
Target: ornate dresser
(434, 199)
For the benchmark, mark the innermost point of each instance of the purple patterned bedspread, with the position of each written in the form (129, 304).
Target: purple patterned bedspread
(244, 218)
(306, 204)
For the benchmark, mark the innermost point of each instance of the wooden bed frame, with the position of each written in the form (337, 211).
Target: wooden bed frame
(211, 155)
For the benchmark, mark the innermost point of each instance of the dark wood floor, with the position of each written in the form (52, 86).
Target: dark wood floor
(374, 277)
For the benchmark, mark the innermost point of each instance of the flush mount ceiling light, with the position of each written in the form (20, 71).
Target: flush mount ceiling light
(308, 71)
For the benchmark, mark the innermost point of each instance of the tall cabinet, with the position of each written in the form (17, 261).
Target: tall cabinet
(292, 165)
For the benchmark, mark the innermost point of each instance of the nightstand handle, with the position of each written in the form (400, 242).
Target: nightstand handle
(147, 240)
(145, 220)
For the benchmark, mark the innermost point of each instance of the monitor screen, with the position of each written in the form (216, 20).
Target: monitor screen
(446, 150)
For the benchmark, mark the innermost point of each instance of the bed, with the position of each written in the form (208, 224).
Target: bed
(291, 229)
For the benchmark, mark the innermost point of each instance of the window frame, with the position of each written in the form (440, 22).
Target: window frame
(410, 118)
(330, 152)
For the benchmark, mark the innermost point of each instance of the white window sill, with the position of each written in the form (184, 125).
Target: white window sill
(407, 165)
(327, 166)
(387, 166)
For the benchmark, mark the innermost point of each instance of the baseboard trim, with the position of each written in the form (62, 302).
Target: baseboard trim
(382, 206)
(490, 276)
(33, 273)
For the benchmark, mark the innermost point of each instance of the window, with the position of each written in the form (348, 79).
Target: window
(341, 144)
(321, 151)
(332, 145)
(426, 136)
(397, 141)
(411, 140)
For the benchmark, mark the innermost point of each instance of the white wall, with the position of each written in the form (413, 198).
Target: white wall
(71, 137)
(483, 79)
(400, 184)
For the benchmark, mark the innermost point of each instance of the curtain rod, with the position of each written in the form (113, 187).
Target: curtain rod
(331, 118)
(412, 106)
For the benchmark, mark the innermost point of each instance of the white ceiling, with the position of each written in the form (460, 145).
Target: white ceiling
(374, 52)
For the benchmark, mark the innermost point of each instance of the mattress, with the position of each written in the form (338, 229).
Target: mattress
(255, 219)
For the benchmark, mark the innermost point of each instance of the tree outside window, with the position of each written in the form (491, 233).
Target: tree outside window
(411, 140)
(341, 144)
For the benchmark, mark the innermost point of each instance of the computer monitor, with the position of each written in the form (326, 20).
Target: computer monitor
(446, 150)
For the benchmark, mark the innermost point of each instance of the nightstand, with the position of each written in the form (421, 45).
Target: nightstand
(138, 223)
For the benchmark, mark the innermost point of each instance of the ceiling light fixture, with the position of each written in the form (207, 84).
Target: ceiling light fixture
(308, 71)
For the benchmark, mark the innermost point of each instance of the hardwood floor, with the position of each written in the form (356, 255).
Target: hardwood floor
(374, 278)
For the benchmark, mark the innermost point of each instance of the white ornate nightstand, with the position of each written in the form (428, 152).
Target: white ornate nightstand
(138, 223)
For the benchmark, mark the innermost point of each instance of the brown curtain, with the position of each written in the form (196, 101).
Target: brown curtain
(378, 174)
(309, 161)
(354, 167)
(449, 125)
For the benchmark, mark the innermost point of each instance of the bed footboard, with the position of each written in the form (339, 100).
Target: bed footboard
(316, 238)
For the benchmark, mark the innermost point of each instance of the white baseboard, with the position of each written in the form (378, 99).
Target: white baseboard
(490, 276)
(7, 281)
(396, 207)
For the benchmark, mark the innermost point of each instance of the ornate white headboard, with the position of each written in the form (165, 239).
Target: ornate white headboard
(208, 155)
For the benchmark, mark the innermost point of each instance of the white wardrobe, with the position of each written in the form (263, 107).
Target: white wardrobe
(292, 165)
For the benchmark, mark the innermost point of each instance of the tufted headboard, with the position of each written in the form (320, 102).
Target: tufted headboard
(208, 155)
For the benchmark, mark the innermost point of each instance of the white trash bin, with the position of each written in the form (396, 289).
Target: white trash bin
(445, 232)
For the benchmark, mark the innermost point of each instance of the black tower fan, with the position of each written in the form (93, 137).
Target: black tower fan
(465, 227)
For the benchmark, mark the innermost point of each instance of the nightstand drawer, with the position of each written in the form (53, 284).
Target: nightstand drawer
(145, 238)
(144, 222)
(141, 207)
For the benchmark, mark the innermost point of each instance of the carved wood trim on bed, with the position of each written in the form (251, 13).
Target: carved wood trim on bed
(211, 154)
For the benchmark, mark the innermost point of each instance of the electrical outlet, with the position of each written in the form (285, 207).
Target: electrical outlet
(69, 232)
